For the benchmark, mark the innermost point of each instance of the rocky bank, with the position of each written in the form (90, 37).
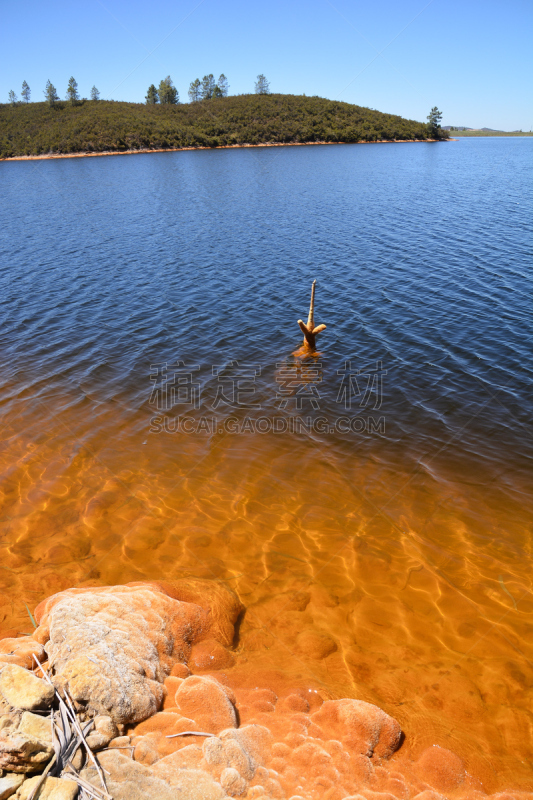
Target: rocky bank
(165, 711)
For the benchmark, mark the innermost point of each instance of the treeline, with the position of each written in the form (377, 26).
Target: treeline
(51, 95)
(166, 94)
(85, 126)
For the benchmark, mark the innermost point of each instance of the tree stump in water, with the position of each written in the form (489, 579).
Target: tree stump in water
(309, 331)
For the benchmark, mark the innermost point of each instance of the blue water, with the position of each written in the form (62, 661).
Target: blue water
(420, 251)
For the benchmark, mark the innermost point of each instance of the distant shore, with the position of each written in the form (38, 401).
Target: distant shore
(220, 147)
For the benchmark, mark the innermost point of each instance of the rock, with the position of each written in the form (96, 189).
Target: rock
(101, 734)
(21, 652)
(128, 780)
(20, 752)
(189, 757)
(206, 701)
(38, 727)
(315, 645)
(208, 655)
(363, 727)
(10, 719)
(52, 789)
(232, 782)
(121, 742)
(113, 647)
(255, 740)
(195, 784)
(9, 785)
(22, 689)
(441, 768)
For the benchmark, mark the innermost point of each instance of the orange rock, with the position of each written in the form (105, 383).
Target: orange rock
(315, 645)
(441, 768)
(294, 702)
(180, 670)
(172, 685)
(209, 655)
(362, 727)
(206, 701)
(21, 652)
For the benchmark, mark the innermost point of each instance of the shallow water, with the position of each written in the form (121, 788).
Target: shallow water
(386, 512)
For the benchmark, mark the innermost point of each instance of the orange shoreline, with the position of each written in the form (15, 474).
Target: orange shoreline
(220, 147)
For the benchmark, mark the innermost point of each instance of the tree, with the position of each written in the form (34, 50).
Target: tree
(223, 85)
(72, 91)
(13, 99)
(262, 86)
(26, 92)
(217, 92)
(95, 94)
(194, 91)
(434, 117)
(50, 93)
(168, 92)
(208, 87)
(151, 96)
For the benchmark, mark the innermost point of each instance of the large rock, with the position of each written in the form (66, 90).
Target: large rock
(20, 752)
(22, 689)
(113, 647)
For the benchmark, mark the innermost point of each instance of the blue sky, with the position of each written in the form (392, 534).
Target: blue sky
(472, 58)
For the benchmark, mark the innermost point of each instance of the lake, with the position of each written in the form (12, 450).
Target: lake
(159, 418)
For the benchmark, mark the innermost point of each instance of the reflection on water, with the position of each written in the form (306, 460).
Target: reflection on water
(376, 522)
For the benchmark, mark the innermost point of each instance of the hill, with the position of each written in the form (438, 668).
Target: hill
(486, 132)
(97, 126)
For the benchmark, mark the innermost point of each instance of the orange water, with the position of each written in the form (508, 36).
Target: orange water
(423, 584)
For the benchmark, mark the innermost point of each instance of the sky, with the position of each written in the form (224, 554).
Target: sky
(471, 58)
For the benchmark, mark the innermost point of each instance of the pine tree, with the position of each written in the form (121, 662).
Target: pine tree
(262, 86)
(151, 96)
(13, 99)
(168, 92)
(194, 91)
(26, 92)
(50, 93)
(434, 117)
(223, 85)
(72, 91)
(95, 94)
(208, 87)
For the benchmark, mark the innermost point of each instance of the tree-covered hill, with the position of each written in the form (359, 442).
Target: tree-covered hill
(96, 126)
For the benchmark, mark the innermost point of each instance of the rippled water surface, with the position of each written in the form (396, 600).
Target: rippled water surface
(377, 525)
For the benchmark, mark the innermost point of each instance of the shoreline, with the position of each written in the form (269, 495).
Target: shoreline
(86, 154)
